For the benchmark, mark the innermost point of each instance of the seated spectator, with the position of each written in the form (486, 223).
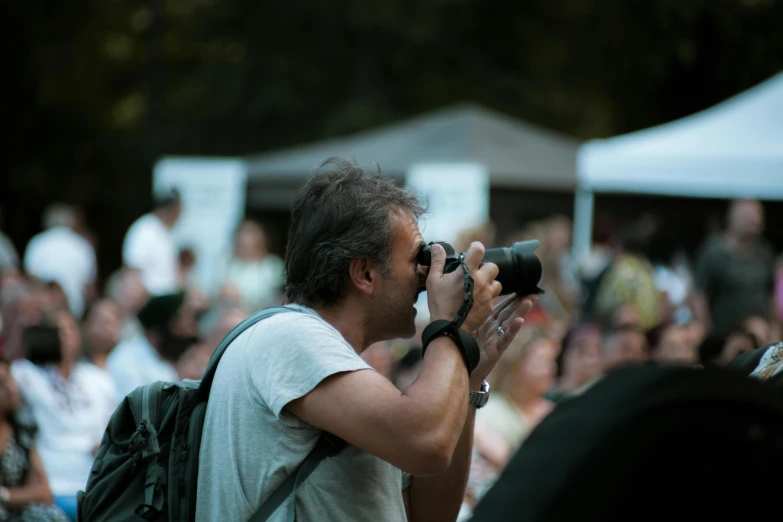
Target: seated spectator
(59, 254)
(71, 401)
(53, 297)
(20, 306)
(623, 338)
(629, 280)
(214, 325)
(524, 374)
(758, 327)
(126, 289)
(169, 323)
(254, 272)
(522, 377)
(101, 331)
(721, 349)
(24, 486)
(671, 344)
(579, 361)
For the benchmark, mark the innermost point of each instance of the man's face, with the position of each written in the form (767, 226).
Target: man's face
(622, 348)
(398, 291)
(539, 368)
(625, 343)
(583, 358)
(675, 347)
(103, 325)
(746, 218)
(184, 323)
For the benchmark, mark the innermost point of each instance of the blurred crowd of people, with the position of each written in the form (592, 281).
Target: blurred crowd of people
(615, 307)
(72, 350)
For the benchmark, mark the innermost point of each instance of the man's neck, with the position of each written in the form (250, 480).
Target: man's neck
(348, 319)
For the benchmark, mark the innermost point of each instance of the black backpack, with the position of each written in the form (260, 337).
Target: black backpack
(649, 444)
(147, 465)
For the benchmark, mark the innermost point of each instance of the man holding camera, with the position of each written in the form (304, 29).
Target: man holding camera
(353, 277)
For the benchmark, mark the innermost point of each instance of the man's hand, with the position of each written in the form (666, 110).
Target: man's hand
(509, 315)
(446, 292)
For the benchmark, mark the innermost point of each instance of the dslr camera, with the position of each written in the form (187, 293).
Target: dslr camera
(519, 268)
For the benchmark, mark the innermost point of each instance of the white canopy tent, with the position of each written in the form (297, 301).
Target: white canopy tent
(734, 149)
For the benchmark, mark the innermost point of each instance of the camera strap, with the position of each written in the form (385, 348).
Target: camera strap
(467, 304)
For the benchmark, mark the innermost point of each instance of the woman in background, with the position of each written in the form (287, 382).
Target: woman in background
(24, 487)
(252, 274)
(579, 361)
(525, 373)
(70, 400)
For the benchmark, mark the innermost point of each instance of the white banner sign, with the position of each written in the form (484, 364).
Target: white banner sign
(457, 197)
(213, 204)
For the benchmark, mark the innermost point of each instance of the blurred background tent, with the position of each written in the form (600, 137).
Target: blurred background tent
(516, 154)
(734, 149)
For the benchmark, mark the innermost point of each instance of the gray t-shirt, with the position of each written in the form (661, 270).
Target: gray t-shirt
(250, 445)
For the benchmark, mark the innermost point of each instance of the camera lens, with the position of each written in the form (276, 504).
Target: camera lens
(520, 269)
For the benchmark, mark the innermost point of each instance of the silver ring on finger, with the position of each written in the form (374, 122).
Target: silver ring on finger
(501, 331)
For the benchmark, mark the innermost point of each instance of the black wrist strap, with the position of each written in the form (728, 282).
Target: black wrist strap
(467, 345)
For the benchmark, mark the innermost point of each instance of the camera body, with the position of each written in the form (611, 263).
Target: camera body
(519, 268)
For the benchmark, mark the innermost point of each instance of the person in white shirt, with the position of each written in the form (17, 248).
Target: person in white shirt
(62, 256)
(252, 271)
(170, 328)
(150, 247)
(71, 401)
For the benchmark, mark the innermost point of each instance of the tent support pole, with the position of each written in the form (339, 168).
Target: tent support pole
(583, 224)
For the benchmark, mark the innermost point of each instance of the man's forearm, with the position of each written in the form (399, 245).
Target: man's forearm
(438, 498)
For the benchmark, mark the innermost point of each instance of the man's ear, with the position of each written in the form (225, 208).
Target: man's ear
(364, 274)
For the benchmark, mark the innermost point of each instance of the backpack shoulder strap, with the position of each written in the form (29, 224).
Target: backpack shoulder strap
(209, 374)
(328, 446)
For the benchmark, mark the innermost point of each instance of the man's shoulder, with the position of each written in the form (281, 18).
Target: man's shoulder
(296, 332)
(293, 323)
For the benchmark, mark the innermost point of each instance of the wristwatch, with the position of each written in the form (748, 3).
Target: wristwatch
(479, 398)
